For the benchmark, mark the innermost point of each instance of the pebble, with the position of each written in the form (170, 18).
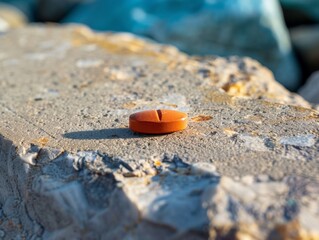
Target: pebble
(203, 168)
(299, 141)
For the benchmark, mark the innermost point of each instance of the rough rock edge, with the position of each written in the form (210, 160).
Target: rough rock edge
(52, 194)
(40, 186)
(243, 77)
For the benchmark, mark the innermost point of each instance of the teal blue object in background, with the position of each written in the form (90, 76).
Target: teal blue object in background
(104, 15)
(309, 8)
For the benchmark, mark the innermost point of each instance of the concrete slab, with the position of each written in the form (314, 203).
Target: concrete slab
(65, 97)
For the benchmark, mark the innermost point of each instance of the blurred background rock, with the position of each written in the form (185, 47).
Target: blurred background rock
(10, 17)
(283, 35)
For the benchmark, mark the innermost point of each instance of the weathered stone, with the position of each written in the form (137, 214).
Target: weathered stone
(276, 206)
(245, 168)
(221, 27)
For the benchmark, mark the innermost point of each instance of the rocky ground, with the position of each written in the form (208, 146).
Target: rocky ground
(246, 167)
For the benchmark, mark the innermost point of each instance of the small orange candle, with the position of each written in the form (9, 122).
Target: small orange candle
(158, 121)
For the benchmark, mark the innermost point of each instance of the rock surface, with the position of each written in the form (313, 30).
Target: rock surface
(246, 167)
(221, 27)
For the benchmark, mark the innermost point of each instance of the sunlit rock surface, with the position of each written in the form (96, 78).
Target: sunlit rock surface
(245, 168)
(202, 27)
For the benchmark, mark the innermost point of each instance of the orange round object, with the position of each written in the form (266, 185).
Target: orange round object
(158, 121)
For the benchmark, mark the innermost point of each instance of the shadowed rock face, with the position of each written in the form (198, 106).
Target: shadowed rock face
(245, 168)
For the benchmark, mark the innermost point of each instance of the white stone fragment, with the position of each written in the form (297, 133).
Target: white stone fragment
(253, 143)
(239, 190)
(89, 63)
(203, 168)
(120, 74)
(248, 179)
(299, 141)
(29, 155)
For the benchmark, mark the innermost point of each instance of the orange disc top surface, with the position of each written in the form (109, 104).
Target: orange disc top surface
(158, 121)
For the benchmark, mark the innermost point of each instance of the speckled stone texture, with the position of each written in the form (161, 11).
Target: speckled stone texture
(245, 168)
